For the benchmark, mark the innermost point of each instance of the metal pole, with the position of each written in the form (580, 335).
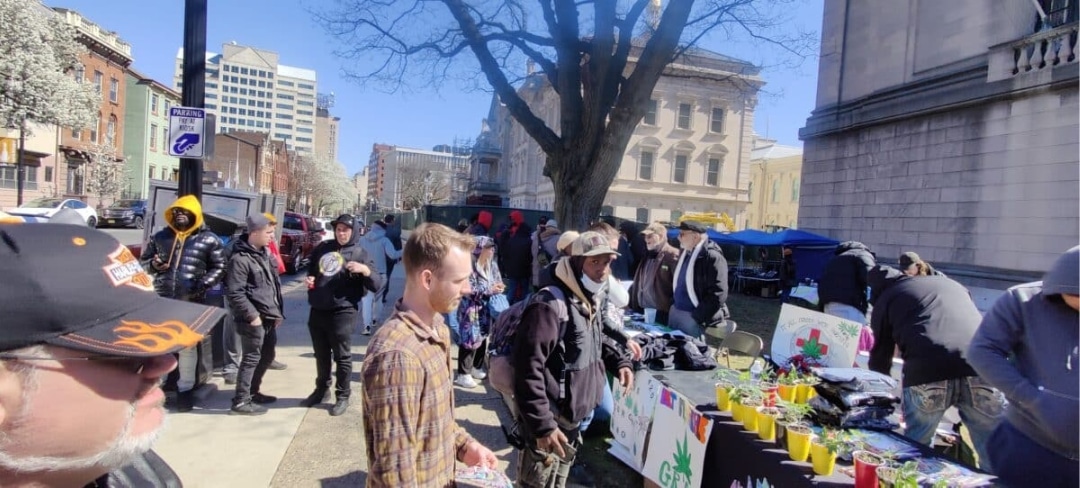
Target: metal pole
(20, 171)
(194, 79)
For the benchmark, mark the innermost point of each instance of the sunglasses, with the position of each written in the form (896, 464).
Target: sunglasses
(129, 364)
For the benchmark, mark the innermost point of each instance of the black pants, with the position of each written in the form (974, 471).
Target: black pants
(258, 343)
(331, 332)
(470, 359)
(386, 286)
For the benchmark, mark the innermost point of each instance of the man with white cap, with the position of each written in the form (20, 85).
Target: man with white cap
(84, 343)
(701, 283)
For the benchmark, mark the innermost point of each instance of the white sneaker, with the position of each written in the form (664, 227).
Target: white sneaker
(479, 373)
(465, 381)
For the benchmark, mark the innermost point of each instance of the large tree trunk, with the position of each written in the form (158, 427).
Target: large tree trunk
(581, 179)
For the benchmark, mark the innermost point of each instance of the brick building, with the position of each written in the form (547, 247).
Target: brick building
(104, 64)
(248, 161)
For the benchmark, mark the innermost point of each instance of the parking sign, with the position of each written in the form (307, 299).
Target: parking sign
(186, 132)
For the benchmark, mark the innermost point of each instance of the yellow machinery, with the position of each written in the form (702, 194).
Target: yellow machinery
(710, 218)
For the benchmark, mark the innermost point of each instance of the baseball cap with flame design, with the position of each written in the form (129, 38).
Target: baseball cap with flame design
(79, 288)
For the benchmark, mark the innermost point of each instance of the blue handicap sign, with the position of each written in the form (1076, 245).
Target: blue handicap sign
(185, 142)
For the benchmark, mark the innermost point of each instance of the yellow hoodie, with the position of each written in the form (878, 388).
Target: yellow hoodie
(192, 205)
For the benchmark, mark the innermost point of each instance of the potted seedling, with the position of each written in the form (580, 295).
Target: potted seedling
(737, 394)
(766, 420)
(791, 413)
(886, 476)
(804, 391)
(823, 450)
(907, 475)
(866, 464)
(726, 380)
(786, 385)
(798, 442)
(769, 387)
(750, 404)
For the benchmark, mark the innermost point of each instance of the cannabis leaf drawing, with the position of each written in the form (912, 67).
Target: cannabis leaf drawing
(682, 460)
(812, 348)
(850, 329)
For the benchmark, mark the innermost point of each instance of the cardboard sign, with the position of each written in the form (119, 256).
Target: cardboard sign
(677, 454)
(632, 417)
(832, 341)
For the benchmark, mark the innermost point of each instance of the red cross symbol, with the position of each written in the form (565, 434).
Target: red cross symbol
(815, 334)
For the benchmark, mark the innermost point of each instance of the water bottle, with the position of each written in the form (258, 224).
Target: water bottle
(756, 369)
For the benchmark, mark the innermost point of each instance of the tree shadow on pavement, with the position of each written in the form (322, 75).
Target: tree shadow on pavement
(353, 479)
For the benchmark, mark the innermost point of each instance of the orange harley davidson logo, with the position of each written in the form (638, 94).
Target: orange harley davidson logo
(124, 269)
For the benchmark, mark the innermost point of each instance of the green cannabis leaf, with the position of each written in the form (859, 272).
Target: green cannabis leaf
(812, 348)
(682, 460)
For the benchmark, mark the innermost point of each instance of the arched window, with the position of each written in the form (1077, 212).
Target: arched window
(110, 131)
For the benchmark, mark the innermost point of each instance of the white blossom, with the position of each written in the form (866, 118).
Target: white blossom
(38, 55)
(104, 172)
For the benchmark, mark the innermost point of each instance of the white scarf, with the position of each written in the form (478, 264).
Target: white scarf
(690, 272)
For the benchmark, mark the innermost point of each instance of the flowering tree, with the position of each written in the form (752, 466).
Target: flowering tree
(104, 172)
(38, 53)
(318, 184)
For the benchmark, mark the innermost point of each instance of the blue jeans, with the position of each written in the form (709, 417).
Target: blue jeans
(981, 410)
(602, 412)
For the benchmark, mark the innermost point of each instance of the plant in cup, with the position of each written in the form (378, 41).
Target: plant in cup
(787, 381)
(866, 465)
(824, 449)
(907, 475)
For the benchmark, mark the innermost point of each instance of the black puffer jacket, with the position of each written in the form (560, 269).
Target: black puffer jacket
(195, 257)
(844, 279)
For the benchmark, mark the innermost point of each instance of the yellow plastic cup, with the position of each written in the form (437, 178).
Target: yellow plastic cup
(766, 426)
(787, 392)
(802, 393)
(749, 417)
(736, 411)
(798, 441)
(824, 461)
(723, 397)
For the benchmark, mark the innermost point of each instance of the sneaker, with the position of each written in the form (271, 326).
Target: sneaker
(230, 378)
(316, 397)
(278, 365)
(479, 373)
(247, 408)
(339, 407)
(367, 330)
(261, 399)
(465, 381)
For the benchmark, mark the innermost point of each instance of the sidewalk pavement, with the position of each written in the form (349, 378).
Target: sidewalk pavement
(296, 447)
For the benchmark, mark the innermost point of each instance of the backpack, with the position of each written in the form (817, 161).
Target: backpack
(504, 330)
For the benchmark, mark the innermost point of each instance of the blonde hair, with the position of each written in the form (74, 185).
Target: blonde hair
(429, 245)
(606, 229)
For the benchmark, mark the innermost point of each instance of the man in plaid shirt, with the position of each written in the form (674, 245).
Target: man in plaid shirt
(412, 436)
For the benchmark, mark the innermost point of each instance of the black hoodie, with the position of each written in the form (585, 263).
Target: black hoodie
(930, 318)
(252, 286)
(344, 289)
(844, 278)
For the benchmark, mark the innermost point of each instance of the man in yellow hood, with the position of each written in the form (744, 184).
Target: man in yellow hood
(186, 259)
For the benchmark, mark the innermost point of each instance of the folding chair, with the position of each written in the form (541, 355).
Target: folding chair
(742, 342)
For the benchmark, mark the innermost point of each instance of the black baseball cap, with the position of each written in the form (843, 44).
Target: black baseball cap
(346, 219)
(693, 227)
(79, 288)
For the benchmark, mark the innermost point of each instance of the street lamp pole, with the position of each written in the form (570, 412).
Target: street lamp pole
(194, 89)
(20, 170)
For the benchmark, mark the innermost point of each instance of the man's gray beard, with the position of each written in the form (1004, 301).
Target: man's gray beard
(121, 451)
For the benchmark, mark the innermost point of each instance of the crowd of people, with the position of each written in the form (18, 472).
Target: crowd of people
(102, 342)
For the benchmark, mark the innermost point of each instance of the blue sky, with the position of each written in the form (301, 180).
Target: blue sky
(419, 119)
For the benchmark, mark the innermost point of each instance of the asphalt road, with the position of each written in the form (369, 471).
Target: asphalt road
(126, 237)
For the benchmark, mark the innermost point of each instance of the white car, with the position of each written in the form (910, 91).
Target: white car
(328, 230)
(47, 207)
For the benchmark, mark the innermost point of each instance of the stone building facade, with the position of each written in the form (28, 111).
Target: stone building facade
(690, 153)
(950, 131)
(775, 172)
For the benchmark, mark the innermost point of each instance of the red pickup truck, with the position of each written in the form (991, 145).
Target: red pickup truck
(299, 235)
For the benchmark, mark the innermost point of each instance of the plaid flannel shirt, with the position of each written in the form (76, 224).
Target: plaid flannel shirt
(408, 400)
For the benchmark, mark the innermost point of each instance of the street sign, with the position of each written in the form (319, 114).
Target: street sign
(187, 132)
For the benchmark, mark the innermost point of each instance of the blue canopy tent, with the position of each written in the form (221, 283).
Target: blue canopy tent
(811, 251)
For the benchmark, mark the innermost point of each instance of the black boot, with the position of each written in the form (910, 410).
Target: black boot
(316, 397)
(340, 407)
(185, 401)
